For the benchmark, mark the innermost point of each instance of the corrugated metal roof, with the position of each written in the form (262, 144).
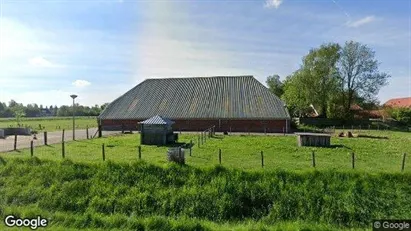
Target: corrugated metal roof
(220, 97)
(157, 120)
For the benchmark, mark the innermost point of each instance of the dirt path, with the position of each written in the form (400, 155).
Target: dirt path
(52, 138)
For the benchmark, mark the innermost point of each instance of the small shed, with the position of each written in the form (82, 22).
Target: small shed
(157, 131)
(313, 139)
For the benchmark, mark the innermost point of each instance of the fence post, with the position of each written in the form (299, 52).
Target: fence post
(31, 148)
(63, 151)
(283, 130)
(87, 131)
(313, 154)
(62, 136)
(262, 159)
(403, 162)
(353, 160)
(191, 146)
(15, 142)
(139, 152)
(219, 155)
(198, 141)
(45, 138)
(103, 151)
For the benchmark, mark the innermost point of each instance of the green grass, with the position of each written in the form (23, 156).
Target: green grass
(123, 193)
(243, 152)
(50, 123)
(126, 196)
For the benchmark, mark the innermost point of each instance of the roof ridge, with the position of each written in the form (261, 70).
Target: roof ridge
(194, 77)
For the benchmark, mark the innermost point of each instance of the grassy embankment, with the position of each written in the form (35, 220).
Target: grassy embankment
(144, 196)
(50, 123)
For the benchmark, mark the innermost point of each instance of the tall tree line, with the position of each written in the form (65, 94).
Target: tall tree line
(18, 110)
(331, 79)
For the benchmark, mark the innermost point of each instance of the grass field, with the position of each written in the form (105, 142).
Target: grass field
(124, 193)
(50, 123)
(372, 154)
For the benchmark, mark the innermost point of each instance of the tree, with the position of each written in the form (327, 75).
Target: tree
(320, 74)
(358, 74)
(275, 85)
(12, 103)
(295, 95)
(315, 82)
(104, 106)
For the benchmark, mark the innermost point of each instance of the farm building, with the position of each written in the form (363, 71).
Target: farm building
(230, 103)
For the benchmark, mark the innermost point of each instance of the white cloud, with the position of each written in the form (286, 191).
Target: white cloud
(273, 3)
(361, 22)
(81, 83)
(40, 62)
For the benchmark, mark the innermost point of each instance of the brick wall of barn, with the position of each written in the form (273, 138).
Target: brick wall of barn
(199, 125)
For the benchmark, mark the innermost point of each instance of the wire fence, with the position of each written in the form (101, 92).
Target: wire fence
(95, 150)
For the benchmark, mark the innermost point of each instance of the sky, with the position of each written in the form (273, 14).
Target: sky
(50, 49)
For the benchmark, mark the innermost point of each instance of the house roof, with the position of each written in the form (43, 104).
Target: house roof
(399, 102)
(157, 120)
(220, 97)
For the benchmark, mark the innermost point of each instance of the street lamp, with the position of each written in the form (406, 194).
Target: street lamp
(74, 134)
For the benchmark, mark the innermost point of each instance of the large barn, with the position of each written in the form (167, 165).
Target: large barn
(230, 103)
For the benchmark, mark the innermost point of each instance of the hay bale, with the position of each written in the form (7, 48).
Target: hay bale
(176, 155)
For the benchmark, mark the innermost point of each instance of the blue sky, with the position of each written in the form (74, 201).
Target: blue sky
(100, 49)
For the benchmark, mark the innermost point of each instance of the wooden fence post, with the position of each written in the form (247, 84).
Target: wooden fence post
(103, 151)
(31, 148)
(353, 160)
(87, 131)
(139, 152)
(403, 162)
(45, 138)
(219, 155)
(63, 151)
(15, 142)
(262, 159)
(313, 155)
(62, 136)
(191, 146)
